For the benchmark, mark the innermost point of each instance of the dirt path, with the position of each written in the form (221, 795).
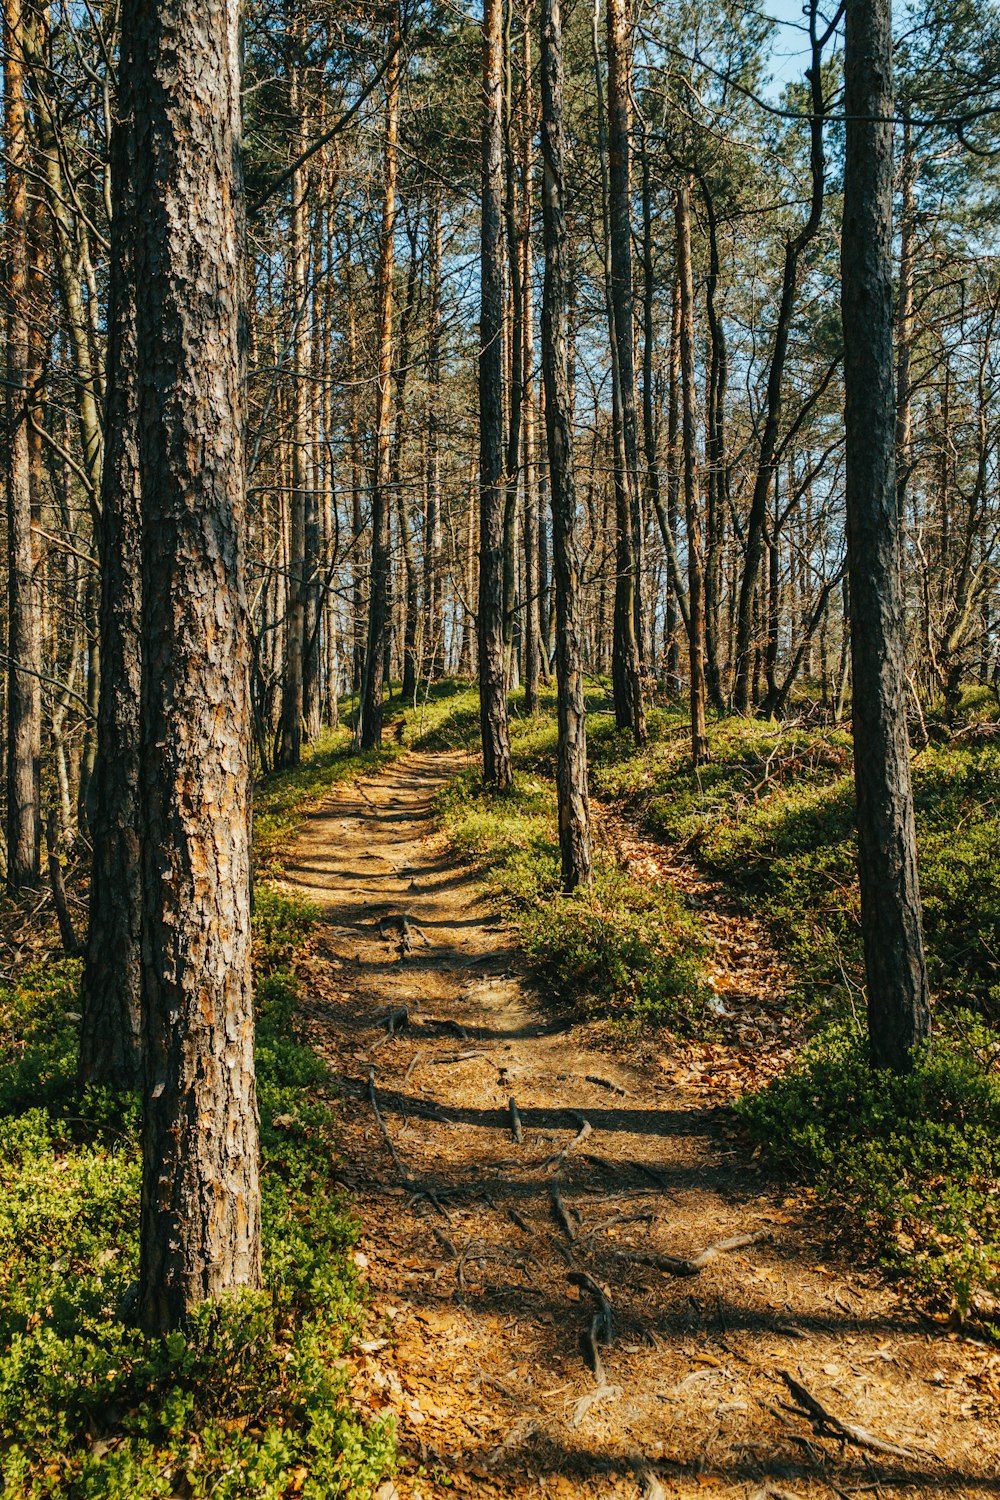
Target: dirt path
(471, 1240)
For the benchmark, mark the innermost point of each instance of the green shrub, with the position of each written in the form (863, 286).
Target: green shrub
(911, 1163)
(626, 951)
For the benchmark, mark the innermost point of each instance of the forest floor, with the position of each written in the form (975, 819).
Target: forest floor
(477, 1247)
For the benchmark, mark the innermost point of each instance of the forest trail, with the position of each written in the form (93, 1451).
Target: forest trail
(470, 1240)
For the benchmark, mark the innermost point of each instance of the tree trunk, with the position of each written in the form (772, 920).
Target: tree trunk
(689, 461)
(110, 1026)
(497, 773)
(619, 44)
(24, 650)
(898, 1002)
(370, 721)
(293, 684)
(571, 774)
(433, 613)
(200, 1213)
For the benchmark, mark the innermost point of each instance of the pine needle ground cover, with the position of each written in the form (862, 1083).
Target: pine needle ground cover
(252, 1400)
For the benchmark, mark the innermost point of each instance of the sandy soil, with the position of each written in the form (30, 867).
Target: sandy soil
(472, 1240)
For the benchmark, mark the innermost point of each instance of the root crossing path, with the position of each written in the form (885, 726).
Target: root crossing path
(580, 1284)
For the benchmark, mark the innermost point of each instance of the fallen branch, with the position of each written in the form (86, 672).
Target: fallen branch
(561, 1211)
(676, 1265)
(825, 1424)
(606, 1083)
(413, 1063)
(581, 1135)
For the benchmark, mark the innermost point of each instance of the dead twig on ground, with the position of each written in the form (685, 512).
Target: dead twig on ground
(676, 1265)
(825, 1424)
(561, 1212)
(585, 1129)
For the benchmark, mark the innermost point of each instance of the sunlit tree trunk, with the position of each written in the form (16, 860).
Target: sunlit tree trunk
(370, 719)
(24, 714)
(497, 772)
(898, 1002)
(200, 1212)
(571, 771)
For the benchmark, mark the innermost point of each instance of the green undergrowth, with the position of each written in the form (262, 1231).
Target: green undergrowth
(772, 816)
(252, 1399)
(625, 951)
(908, 1166)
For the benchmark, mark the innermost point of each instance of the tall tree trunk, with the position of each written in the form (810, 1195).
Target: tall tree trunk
(497, 772)
(571, 775)
(200, 1213)
(689, 460)
(619, 45)
(666, 515)
(293, 685)
(370, 721)
(898, 1002)
(24, 710)
(433, 665)
(904, 333)
(110, 1050)
(532, 641)
(625, 665)
(715, 432)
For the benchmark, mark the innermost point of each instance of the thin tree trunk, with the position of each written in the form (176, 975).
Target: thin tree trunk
(497, 772)
(370, 721)
(571, 774)
(24, 711)
(110, 1050)
(898, 1001)
(293, 686)
(689, 418)
(200, 1213)
(433, 613)
(619, 45)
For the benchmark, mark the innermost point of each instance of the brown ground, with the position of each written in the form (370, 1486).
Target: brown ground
(475, 1342)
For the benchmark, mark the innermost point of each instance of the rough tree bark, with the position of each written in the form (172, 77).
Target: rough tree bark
(619, 44)
(898, 1002)
(497, 773)
(24, 661)
(200, 1212)
(571, 773)
(110, 1049)
(370, 719)
(625, 663)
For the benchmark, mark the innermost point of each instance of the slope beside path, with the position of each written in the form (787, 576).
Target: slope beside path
(611, 1304)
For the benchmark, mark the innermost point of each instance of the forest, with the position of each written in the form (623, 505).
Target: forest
(500, 704)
